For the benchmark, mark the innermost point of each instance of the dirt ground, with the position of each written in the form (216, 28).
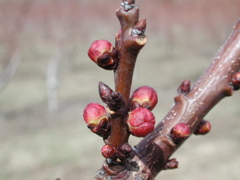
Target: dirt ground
(182, 39)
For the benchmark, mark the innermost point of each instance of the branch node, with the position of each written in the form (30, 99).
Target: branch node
(235, 81)
(180, 132)
(203, 128)
(165, 139)
(113, 99)
(185, 87)
(171, 164)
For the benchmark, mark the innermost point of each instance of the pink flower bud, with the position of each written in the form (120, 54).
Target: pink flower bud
(108, 151)
(94, 113)
(236, 81)
(96, 117)
(102, 53)
(141, 122)
(145, 97)
(203, 128)
(180, 132)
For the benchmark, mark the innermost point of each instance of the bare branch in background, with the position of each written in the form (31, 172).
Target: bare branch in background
(12, 55)
(52, 80)
(10, 69)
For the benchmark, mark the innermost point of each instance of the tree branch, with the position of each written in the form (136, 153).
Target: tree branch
(128, 45)
(152, 154)
(212, 86)
(185, 117)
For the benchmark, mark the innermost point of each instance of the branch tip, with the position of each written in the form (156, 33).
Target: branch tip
(128, 4)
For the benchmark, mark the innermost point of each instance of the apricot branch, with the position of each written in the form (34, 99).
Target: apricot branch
(120, 123)
(217, 82)
(125, 115)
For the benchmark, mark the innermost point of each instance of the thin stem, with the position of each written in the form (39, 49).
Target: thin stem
(124, 72)
(128, 46)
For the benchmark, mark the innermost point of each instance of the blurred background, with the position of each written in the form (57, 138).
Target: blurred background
(46, 80)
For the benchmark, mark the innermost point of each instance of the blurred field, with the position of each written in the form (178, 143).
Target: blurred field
(183, 37)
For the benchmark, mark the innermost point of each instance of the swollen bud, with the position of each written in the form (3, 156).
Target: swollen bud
(103, 54)
(108, 151)
(180, 132)
(185, 87)
(124, 151)
(96, 117)
(141, 122)
(145, 97)
(94, 113)
(236, 81)
(203, 128)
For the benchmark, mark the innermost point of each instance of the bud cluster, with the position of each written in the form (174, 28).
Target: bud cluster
(122, 152)
(136, 114)
(140, 119)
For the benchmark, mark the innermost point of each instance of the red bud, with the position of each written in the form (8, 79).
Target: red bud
(236, 81)
(203, 128)
(185, 87)
(141, 122)
(102, 53)
(180, 131)
(108, 151)
(145, 97)
(94, 113)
